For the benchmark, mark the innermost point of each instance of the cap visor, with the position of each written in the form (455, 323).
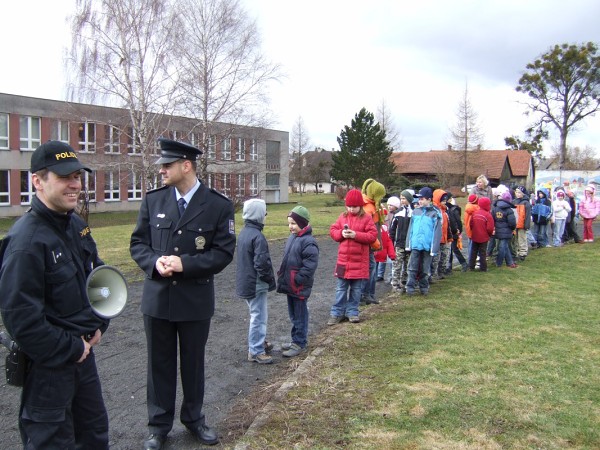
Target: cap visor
(68, 168)
(166, 160)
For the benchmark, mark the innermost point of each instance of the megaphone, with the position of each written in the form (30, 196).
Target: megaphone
(107, 290)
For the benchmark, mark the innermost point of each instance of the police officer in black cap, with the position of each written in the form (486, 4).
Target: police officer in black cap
(185, 234)
(46, 258)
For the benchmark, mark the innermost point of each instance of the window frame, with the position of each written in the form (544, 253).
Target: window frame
(5, 194)
(110, 193)
(83, 137)
(26, 196)
(5, 140)
(29, 143)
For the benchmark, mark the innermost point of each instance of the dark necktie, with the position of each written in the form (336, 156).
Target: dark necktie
(181, 205)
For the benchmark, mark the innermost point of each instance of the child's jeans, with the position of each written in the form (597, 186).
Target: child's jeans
(504, 252)
(419, 266)
(259, 315)
(540, 234)
(298, 312)
(559, 229)
(347, 305)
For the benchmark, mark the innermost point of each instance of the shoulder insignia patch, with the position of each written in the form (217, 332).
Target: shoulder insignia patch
(220, 194)
(231, 226)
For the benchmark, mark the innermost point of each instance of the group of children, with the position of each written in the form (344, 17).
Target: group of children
(421, 234)
(255, 277)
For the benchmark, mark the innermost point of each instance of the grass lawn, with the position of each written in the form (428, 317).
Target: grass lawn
(498, 360)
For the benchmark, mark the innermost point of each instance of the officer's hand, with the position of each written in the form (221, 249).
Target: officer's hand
(86, 350)
(95, 340)
(163, 266)
(175, 263)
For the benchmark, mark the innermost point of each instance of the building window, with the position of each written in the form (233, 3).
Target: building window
(227, 185)
(89, 185)
(111, 186)
(112, 139)
(134, 146)
(30, 132)
(210, 180)
(26, 187)
(87, 137)
(212, 147)
(273, 155)
(241, 186)
(4, 187)
(134, 186)
(195, 140)
(272, 180)
(227, 149)
(253, 151)
(3, 131)
(254, 184)
(61, 131)
(241, 150)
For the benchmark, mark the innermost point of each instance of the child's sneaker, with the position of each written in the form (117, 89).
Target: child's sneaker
(354, 319)
(334, 320)
(261, 358)
(268, 347)
(294, 350)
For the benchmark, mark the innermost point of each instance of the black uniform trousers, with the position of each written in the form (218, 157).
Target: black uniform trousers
(63, 408)
(162, 337)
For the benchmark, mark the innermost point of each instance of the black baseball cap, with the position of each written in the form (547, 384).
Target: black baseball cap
(58, 157)
(171, 151)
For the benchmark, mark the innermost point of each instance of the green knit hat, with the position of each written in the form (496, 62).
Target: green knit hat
(300, 215)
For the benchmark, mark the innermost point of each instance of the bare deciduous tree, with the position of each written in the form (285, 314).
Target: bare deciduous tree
(121, 53)
(577, 158)
(466, 134)
(299, 144)
(386, 122)
(225, 74)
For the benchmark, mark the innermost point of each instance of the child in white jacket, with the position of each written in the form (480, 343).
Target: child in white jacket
(561, 209)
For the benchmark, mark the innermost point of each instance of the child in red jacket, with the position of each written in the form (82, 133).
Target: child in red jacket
(482, 227)
(355, 231)
(387, 249)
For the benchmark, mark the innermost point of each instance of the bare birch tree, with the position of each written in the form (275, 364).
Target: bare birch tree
(120, 53)
(386, 122)
(226, 73)
(299, 144)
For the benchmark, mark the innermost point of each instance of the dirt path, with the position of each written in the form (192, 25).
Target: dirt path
(230, 377)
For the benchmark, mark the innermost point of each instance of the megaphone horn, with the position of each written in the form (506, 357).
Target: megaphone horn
(107, 291)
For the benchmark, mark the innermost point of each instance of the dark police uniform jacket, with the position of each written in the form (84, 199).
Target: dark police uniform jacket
(204, 239)
(46, 258)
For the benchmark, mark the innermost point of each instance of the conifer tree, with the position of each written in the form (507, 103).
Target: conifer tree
(364, 152)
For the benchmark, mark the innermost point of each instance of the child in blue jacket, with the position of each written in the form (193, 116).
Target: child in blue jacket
(296, 276)
(541, 214)
(423, 242)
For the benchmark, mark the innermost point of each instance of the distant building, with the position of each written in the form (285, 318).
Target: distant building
(243, 163)
(311, 172)
(447, 167)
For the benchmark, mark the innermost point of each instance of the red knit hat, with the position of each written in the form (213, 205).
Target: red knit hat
(354, 198)
(473, 199)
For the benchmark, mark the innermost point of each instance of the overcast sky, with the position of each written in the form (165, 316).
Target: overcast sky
(342, 55)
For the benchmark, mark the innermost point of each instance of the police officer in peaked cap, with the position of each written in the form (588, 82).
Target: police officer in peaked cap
(184, 235)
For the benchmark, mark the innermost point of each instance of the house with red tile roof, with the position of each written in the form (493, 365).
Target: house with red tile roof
(447, 167)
